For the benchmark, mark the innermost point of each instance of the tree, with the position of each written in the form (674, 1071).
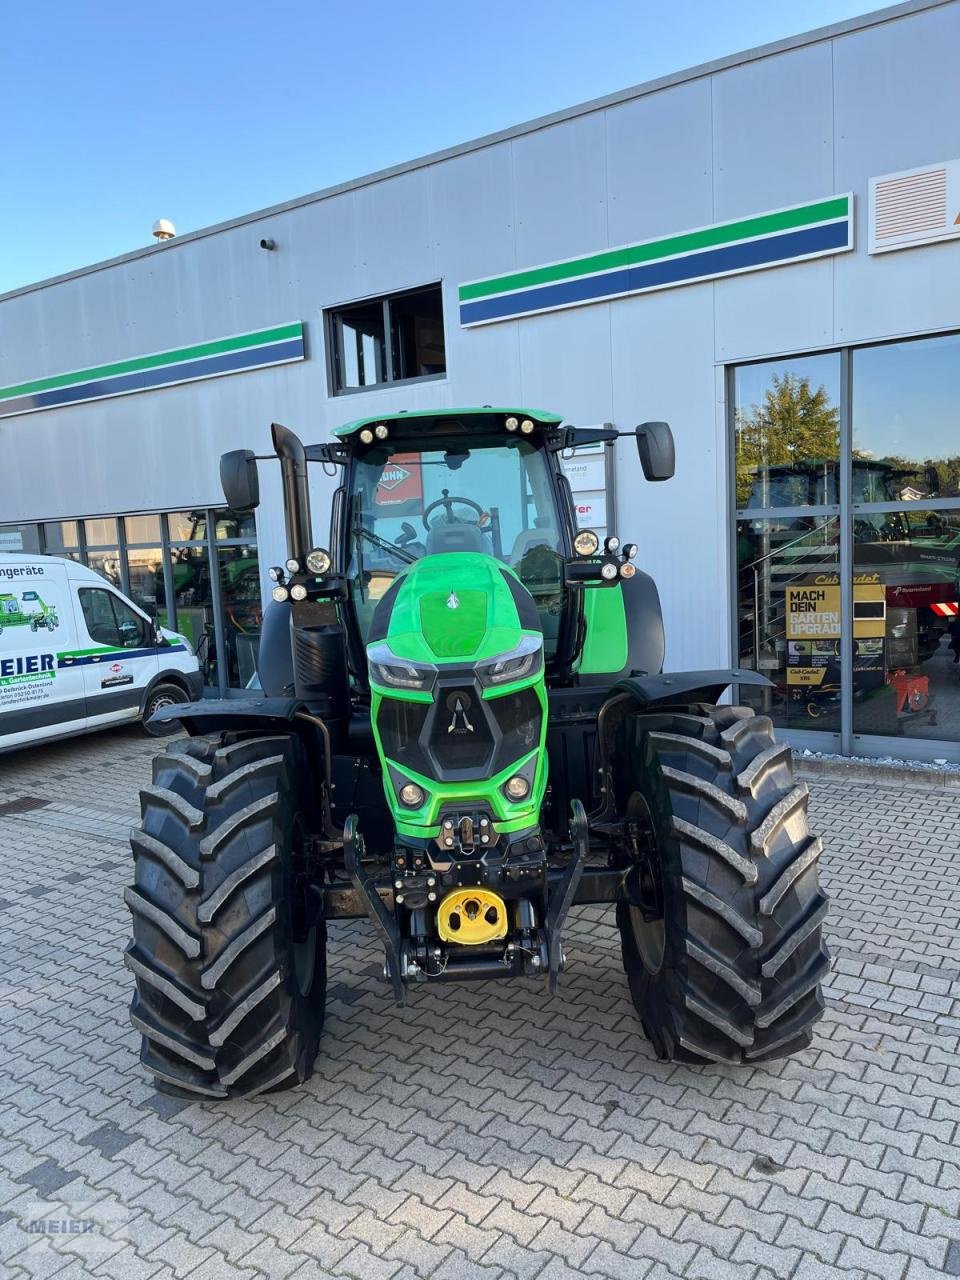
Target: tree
(796, 430)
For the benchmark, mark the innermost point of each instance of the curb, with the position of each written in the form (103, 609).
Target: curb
(924, 777)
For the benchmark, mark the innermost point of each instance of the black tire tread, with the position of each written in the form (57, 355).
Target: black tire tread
(216, 1000)
(744, 912)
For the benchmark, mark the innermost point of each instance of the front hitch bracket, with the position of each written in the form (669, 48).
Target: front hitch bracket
(384, 923)
(563, 892)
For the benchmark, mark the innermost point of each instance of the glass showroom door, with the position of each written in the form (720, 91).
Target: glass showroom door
(847, 546)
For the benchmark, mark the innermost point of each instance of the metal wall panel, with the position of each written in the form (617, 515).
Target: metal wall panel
(560, 191)
(773, 132)
(662, 361)
(659, 164)
(896, 108)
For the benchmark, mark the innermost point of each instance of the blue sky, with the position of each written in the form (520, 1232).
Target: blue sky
(116, 114)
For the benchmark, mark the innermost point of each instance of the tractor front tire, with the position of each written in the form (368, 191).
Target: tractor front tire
(728, 967)
(228, 949)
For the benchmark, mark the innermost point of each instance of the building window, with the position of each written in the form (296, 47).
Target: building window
(398, 338)
(847, 536)
(196, 572)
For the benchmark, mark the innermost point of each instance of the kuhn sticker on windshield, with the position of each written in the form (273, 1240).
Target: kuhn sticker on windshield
(400, 485)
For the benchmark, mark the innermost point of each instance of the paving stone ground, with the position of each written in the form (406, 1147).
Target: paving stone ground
(483, 1131)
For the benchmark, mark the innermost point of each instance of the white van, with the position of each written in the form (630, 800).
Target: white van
(76, 655)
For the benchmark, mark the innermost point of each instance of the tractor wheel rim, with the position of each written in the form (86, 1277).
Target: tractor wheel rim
(651, 939)
(650, 936)
(305, 962)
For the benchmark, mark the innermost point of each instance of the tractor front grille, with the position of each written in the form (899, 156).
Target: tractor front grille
(460, 734)
(401, 725)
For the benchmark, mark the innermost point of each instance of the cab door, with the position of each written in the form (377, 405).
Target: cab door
(121, 659)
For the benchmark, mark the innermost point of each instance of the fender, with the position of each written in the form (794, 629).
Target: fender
(687, 686)
(210, 715)
(192, 681)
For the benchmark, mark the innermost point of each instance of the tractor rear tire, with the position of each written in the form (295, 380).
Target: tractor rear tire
(228, 951)
(731, 970)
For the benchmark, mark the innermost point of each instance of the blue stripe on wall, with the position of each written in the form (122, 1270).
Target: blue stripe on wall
(660, 275)
(168, 375)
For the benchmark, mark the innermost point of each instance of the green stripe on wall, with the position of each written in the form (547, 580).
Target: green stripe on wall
(687, 242)
(138, 363)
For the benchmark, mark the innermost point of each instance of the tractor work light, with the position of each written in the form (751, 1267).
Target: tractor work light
(630, 550)
(298, 591)
(280, 594)
(517, 787)
(611, 544)
(511, 424)
(366, 435)
(526, 426)
(381, 432)
(586, 543)
(525, 660)
(411, 795)
(318, 561)
(608, 571)
(275, 574)
(293, 566)
(627, 569)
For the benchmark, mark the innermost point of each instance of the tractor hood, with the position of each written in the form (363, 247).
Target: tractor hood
(460, 607)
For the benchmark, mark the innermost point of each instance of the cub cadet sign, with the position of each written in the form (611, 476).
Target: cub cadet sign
(813, 611)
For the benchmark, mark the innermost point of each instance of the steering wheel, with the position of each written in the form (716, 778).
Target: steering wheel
(447, 503)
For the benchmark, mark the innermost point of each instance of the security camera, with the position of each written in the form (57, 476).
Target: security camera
(268, 244)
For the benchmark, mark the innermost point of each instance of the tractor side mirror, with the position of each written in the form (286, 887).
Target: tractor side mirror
(655, 447)
(238, 479)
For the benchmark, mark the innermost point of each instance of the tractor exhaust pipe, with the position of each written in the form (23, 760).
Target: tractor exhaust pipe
(296, 490)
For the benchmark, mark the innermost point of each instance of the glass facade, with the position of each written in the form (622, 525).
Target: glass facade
(196, 572)
(847, 543)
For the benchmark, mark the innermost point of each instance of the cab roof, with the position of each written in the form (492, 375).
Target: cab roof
(477, 419)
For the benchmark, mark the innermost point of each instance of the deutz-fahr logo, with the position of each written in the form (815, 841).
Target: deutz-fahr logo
(458, 703)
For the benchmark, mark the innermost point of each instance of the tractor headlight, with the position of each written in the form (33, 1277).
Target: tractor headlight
(366, 436)
(293, 566)
(586, 543)
(318, 562)
(525, 660)
(381, 432)
(517, 787)
(411, 795)
(298, 591)
(397, 673)
(608, 571)
(280, 594)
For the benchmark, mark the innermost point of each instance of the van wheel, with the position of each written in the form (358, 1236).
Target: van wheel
(164, 695)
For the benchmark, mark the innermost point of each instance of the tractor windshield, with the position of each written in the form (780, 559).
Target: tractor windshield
(468, 493)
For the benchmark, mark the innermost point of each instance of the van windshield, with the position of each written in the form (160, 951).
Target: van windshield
(469, 493)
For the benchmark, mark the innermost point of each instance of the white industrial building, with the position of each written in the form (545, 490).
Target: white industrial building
(764, 251)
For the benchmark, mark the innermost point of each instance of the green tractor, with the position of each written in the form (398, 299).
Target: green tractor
(14, 614)
(463, 730)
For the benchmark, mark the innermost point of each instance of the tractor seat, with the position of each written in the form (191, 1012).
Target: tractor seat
(542, 535)
(445, 537)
